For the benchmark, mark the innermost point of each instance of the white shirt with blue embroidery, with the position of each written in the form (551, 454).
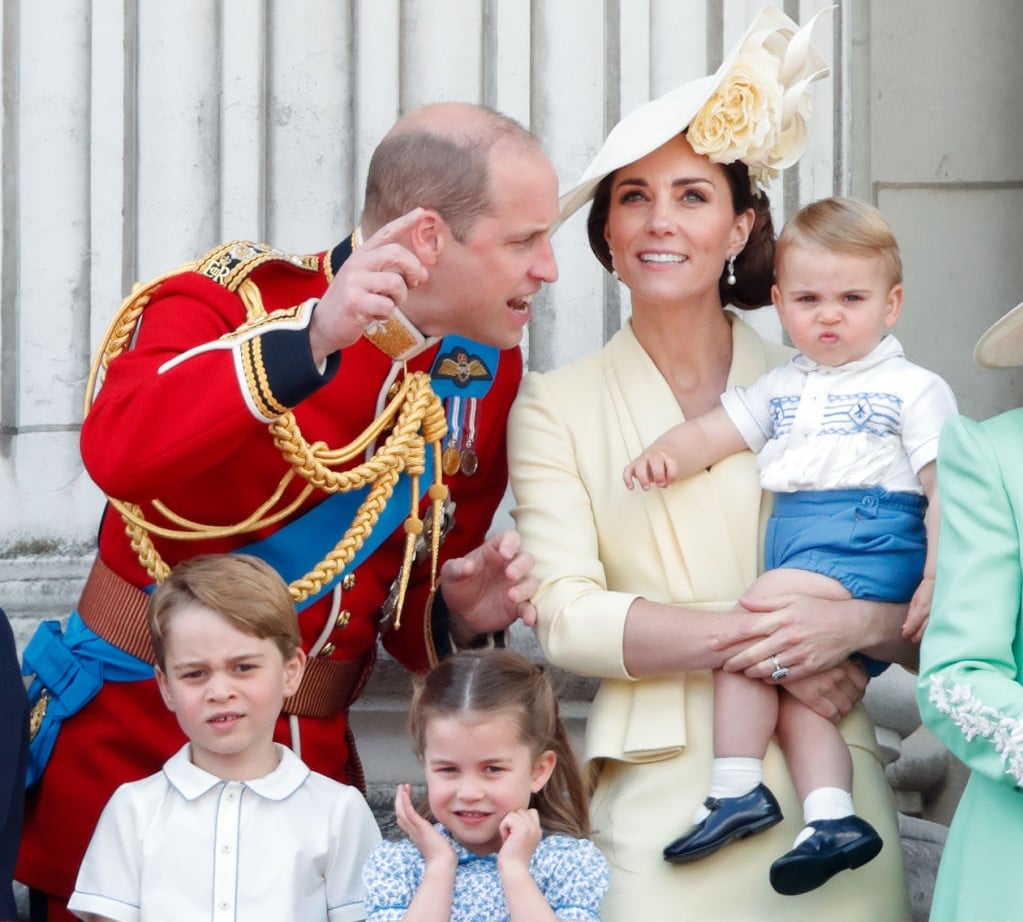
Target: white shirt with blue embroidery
(571, 874)
(186, 845)
(874, 422)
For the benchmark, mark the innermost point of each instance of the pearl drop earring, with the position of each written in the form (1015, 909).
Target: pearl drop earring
(730, 278)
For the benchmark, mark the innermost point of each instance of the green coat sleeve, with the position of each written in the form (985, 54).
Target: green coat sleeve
(970, 690)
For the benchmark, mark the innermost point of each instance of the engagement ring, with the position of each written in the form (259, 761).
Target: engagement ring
(780, 671)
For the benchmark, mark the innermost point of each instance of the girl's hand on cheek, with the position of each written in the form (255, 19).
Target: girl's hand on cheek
(521, 833)
(431, 844)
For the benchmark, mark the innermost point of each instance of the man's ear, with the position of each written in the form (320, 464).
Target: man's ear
(430, 237)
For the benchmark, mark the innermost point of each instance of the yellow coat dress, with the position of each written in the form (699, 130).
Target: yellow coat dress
(599, 546)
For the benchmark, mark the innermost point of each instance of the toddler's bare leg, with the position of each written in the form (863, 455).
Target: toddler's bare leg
(817, 755)
(746, 710)
(745, 715)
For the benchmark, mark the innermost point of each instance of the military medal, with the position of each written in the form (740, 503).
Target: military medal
(470, 460)
(451, 458)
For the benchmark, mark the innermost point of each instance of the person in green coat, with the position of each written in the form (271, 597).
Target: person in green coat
(971, 659)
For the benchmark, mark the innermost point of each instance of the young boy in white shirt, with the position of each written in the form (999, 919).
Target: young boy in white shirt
(235, 826)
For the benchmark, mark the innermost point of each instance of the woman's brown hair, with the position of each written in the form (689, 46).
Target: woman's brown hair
(479, 683)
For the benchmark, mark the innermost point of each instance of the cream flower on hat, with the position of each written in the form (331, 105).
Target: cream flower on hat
(753, 109)
(758, 112)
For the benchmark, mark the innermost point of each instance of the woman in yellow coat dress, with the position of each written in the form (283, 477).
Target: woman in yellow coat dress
(638, 588)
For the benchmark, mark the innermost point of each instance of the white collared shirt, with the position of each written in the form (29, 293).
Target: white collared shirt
(872, 422)
(184, 845)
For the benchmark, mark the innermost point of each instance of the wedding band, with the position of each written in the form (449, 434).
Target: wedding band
(780, 671)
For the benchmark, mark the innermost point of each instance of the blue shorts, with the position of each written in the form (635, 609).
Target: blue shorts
(871, 540)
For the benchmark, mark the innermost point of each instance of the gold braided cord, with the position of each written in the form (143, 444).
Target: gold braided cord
(252, 298)
(122, 328)
(353, 539)
(415, 415)
(416, 408)
(190, 530)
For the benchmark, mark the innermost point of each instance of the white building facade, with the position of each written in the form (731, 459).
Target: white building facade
(137, 134)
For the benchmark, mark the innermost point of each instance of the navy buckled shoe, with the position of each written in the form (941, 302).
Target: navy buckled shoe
(730, 818)
(836, 845)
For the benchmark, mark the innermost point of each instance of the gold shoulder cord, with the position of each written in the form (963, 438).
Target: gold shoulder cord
(415, 414)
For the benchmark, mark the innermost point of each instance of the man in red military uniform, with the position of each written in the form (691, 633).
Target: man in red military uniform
(232, 387)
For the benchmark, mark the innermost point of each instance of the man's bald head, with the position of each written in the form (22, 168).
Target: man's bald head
(438, 157)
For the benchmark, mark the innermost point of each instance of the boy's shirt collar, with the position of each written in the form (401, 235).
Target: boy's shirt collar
(192, 782)
(886, 349)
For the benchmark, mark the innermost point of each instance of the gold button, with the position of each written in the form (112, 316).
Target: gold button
(348, 582)
(328, 648)
(392, 391)
(343, 617)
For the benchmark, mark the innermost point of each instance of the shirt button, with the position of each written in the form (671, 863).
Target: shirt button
(226, 848)
(230, 795)
(223, 905)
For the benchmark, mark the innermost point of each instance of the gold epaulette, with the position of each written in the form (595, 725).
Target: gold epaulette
(231, 263)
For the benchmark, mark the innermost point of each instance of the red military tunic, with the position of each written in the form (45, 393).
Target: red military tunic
(182, 416)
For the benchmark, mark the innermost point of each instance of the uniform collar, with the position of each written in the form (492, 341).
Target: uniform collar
(396, 338)
(192, 782)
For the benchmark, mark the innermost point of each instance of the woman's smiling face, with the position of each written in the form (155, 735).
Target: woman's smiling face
(672, 225)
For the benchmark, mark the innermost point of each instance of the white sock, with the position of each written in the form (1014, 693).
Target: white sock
(824, 804)
(731, 777)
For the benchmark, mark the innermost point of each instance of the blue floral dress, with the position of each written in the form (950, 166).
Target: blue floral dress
(571, 874)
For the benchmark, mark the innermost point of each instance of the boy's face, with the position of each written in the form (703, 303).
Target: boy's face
(226, 689)
(835, 307)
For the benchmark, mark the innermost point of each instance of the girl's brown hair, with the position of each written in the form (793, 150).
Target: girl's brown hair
(502, 681)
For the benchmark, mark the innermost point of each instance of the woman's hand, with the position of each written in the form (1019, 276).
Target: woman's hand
(802, 634)
(832, 693)
(806, 634)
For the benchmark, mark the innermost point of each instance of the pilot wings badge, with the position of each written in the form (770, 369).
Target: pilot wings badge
(461, 367)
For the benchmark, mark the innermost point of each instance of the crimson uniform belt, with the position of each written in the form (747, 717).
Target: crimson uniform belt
(116, 610)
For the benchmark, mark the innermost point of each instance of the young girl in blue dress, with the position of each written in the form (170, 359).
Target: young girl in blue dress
(507, 801)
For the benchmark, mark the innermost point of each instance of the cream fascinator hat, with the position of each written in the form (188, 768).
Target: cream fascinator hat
(1001, 346)
(754, 109)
